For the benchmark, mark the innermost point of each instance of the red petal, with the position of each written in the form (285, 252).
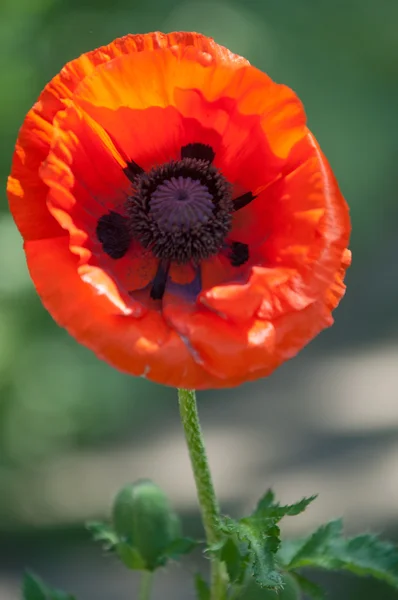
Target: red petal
(308, 228)
(140, 346)
(26, 191)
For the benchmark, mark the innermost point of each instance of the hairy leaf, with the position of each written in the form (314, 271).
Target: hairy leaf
(327, 548)
(368, 555)
(314, 547)
(235, 557)
(268, 508)
(262, 539)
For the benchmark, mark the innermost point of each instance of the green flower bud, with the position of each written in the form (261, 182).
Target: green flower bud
(291, 591)
(145, 524)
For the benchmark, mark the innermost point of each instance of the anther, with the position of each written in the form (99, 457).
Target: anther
(198, 151)
(133, 170)
(243, 201)
(112, 232)
(160, 280)
(238, 254)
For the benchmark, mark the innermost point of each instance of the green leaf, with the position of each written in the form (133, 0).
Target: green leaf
(131, 557)
(102, 532)
(290, 591)
(314, 548)
(309, 588)
(180, 547)
(368, 555)
(262, 538)
(234, 559)
(33, 588)
(266, 501)
(327, 548)
(268, 508)
(201, 588)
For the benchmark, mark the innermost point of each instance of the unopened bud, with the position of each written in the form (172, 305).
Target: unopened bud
(145, 521)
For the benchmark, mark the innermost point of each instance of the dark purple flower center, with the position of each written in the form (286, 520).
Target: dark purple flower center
(181, 211)
(181, 203)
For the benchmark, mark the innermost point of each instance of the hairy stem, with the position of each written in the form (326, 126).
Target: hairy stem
(204, 486)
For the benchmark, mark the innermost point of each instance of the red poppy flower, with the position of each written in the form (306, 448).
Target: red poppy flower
(179, 218)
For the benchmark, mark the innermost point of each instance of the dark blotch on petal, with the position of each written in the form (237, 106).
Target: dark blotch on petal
(112, 232)
(243, 201)
(198, 151)
(159, 283)
(239, 254)
(133, 170)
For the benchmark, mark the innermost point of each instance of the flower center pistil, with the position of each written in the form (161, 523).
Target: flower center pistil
(181, 210)
(180, 204)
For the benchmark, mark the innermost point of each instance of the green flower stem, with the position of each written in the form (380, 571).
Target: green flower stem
(204, 486)
(145, 585)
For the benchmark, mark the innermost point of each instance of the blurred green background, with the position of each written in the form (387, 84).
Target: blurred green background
(72, 430)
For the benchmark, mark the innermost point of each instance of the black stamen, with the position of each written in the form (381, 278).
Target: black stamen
(132, 170)
(159, 283)
(239, 254)
(198, 151)
(243, 201)
(113, 233)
